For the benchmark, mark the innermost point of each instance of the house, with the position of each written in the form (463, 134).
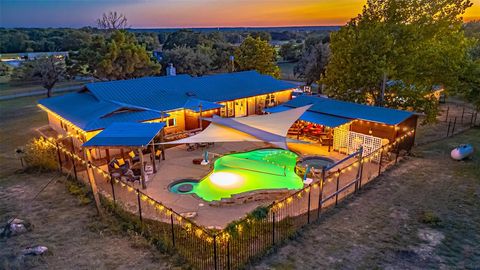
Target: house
(178, 101)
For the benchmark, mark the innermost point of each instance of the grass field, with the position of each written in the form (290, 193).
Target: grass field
(9, 88)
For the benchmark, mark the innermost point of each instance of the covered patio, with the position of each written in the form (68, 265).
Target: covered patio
(130, 152)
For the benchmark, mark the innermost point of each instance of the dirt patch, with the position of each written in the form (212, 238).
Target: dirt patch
(71, 230)
(423, 214)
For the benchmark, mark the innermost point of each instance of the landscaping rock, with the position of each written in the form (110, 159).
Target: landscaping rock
(35, 250)
(14, 227)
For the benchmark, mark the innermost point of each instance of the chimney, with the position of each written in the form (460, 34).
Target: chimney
(171, 71)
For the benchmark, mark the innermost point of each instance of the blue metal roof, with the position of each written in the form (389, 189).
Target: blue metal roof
(350, 110)
(313, 117)
(173, 92)
(126, 134)
(148, 97)
(88, 113)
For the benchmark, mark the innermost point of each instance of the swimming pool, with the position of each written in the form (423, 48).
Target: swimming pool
(262, 169)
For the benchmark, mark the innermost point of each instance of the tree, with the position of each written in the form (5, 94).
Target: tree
(112, 21)
(418, 42)
(291, 51)
(119, 57)
(49, 70)
(5, 70)
(312, 65)
(184, 38)
(257, 54)
(191, 61)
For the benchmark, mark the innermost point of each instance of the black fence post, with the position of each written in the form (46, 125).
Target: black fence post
(475, 119)
(309, 195)
(446, 117)
(172, 230)
(358, 172)
(59, 157)
(320, 193)
(463, 113)
(448, 129)
(361, 172)
(338, 183)
(273, 228)
(380, 162)
(215, 251)
(113, 190)
(73, 160)
(139, 206)
(454, 124)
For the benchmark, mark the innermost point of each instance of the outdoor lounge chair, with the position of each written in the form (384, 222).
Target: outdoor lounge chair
(135, 158)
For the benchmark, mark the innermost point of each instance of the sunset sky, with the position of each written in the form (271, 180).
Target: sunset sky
(185, 13)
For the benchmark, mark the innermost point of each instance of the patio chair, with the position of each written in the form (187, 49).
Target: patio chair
(158, 154)
(135, 158)
(191, 147)
(130, 176)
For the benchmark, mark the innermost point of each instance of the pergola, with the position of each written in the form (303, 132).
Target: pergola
(131, 135)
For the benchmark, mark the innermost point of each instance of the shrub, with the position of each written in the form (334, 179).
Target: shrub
(40, 156)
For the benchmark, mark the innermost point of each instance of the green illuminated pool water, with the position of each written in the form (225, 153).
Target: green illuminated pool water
(261, 169)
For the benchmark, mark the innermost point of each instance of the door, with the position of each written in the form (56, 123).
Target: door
(240, 107)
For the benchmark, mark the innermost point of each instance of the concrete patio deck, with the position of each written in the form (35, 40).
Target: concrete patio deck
(178, 165)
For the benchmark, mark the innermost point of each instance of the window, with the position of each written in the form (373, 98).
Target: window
(171, 122)
(270, 100)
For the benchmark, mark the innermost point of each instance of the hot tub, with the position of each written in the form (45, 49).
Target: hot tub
(316, 162)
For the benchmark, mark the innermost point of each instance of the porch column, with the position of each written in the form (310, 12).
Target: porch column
(107, 154)
(142, 169)
(153, 156)
(162, 138)
(200, 118)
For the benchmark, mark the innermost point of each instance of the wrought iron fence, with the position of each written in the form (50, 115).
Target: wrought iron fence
(244, 240)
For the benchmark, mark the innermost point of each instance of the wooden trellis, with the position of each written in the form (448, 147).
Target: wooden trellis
(348, 142)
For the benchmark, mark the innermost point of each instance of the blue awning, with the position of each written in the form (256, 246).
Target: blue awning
(126, 134)
(313, 117)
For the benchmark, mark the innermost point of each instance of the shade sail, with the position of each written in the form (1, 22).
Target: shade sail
(314, 117)
(126, 134)
(271, 128)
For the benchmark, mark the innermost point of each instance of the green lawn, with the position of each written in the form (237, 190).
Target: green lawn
(19, 118)
(9, 88)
